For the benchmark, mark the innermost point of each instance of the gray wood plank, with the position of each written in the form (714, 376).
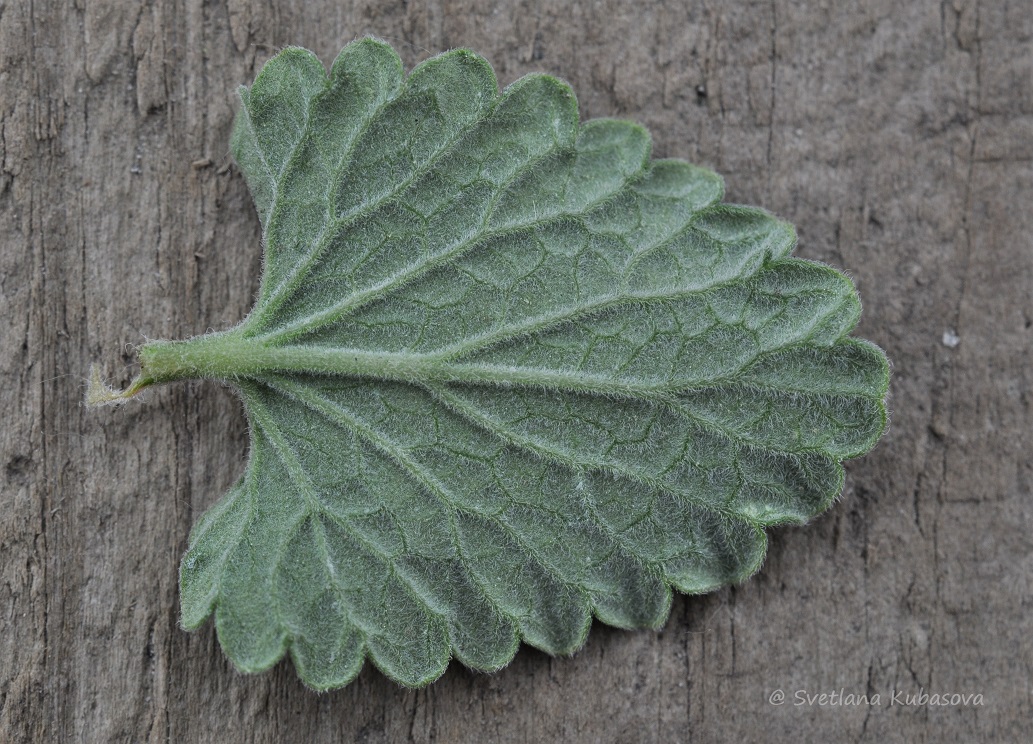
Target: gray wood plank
(898, 137)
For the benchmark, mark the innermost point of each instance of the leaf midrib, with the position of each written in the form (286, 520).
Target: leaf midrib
(228, 356)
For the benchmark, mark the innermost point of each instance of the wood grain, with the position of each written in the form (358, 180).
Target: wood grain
(897, 136)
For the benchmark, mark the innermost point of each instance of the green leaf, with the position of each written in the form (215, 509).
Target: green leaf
(505, 373)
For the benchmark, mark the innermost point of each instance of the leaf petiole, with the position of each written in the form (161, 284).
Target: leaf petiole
(231, 357)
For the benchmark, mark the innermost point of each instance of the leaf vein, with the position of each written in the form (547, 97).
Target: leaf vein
(336, 414)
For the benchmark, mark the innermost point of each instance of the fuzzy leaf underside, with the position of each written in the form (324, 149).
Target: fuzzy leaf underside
(532, 376)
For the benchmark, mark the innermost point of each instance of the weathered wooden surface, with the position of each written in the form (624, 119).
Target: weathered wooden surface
(897, 136)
